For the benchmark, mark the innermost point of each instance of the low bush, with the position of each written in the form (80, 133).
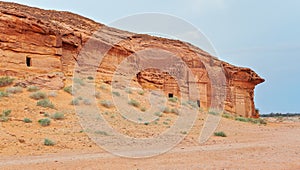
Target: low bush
(227, 115)
(251, 120)
(69, 89)
(4, 119)
(6, 113)
(175, 111)
(58, 116)
(6, 81)
(3, 94)
(33, 89)
(106, 103)
(101, 133)
(128, 90)
(90, 78)
(48, 142)
(14, 90)
(221, 134)
(87, 102)
(74, 102)
(193, 104)
(158, 114)
(38, 95)
(115, 93)
(45, 103)
(44, 122)
(134, 103)
(141, 92)
(27, 120)
(242, 119)
(173, 99)
(78, 81)
(214, 113)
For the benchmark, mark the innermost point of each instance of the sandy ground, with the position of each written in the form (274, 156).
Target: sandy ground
(247, 146)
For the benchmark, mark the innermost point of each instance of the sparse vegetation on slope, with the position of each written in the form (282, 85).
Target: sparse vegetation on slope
(6, 81)
(221, 134)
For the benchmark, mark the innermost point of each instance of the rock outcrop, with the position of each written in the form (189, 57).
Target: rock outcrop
(36, 43)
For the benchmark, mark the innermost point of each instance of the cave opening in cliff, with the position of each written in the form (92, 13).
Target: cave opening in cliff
(171, 95)
(198, 103)
(28, 62)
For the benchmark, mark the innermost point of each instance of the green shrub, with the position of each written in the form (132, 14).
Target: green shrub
(3, 94)
(221, 134)
(115, 93)
(193, 104)
(251, 120)
(45, 103)
(4, 119)
(46, 115)
(6, 113)
(183, 132)
(38, 95)
(48, 142)
(134, 103)
(165, 123)
(213, 113)
(227, 115)
(143, 109)
(5, 81)
(146, 123)
(74, 102)
(32, 89)
(78, 81)
(159, 114)
(173, 99)
(128, 90)
(44, 122)
(101, 133)
(27, 120)
(106, 103)
(14, 90)
(262, 121)
(242, 119)
(103, 87)
(141, 92)
(175, 111)
(58, 116)
(87, 102)
(90, 78)
(69, 89)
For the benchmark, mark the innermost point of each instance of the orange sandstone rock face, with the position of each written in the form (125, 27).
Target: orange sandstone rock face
(41, 47)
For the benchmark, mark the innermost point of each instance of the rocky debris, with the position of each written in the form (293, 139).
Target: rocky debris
(54, 81)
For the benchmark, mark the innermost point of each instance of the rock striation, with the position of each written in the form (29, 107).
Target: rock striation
(42, 47)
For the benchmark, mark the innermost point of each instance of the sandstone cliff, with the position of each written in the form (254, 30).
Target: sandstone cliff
(41, 47)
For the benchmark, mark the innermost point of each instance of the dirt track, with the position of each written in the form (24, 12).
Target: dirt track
(248, 146)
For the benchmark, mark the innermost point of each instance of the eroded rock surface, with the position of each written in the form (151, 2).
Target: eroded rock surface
(35, 43)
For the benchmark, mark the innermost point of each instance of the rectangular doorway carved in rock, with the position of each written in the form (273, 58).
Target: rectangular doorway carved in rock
(171, 95)
(28, 62)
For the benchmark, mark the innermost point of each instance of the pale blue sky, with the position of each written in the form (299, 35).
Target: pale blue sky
(260, 34)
